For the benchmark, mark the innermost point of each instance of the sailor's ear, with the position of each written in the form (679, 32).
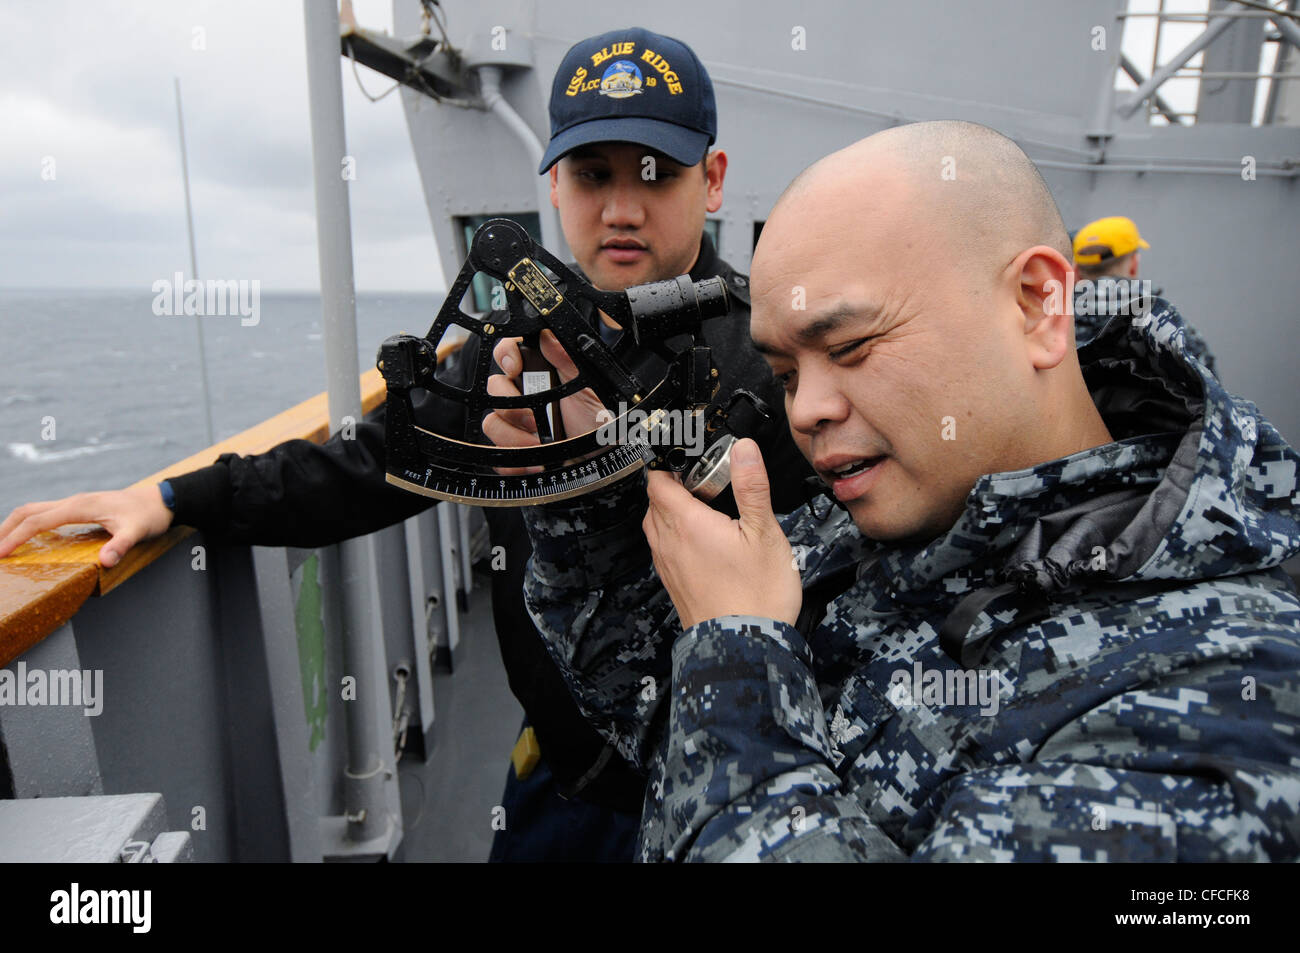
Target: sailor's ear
(715, 170)
(555, 192)
(1043, 283)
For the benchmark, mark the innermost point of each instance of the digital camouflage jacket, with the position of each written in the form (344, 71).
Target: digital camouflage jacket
(1100, 661)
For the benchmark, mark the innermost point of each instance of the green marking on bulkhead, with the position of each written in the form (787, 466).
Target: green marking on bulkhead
(311, 650)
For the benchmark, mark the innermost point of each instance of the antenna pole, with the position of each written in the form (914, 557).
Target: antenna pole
(194, 266)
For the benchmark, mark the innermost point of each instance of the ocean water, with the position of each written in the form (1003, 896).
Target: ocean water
(119, 390)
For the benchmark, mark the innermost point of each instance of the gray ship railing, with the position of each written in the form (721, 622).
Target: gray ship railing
(212, 676)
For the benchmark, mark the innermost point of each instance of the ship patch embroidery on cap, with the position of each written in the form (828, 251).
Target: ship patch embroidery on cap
(621, 80)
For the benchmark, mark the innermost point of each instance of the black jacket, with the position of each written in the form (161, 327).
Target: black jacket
(305, 494)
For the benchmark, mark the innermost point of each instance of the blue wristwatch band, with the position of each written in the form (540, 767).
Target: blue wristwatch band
(168, 495)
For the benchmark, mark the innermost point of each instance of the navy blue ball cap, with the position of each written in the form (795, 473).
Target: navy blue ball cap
(632, 86)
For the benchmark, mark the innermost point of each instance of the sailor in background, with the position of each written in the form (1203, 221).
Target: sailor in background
(1109, 247)
(1108, 262)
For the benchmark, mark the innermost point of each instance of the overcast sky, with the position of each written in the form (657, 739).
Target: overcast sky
(90, 85)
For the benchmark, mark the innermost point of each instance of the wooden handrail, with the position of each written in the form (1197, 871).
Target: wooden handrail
(45, 581)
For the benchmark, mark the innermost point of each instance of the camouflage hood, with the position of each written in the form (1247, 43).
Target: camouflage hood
(1196, 485)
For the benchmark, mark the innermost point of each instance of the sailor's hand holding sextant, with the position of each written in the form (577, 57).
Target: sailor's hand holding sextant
(581, 412)
(713, 566)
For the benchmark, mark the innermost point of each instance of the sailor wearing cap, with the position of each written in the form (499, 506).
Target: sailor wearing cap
(634, 177)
